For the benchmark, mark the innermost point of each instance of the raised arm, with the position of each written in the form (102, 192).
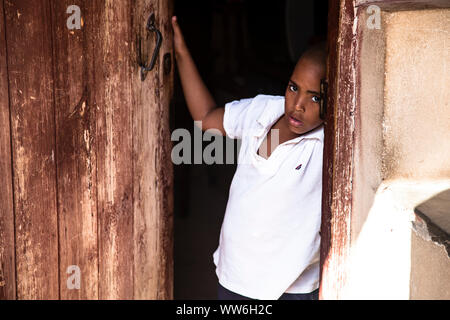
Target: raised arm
(200, 103)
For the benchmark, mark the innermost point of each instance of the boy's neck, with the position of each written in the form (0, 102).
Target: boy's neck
(285, 134)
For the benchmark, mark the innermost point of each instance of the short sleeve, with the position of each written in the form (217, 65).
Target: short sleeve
(236, 116)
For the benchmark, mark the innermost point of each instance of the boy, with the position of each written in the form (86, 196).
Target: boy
(269, 240)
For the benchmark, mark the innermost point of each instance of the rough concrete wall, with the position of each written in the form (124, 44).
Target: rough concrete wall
(401, 160)
(369, 133)
(417, 116)
(416, 124)
(380, 237)
(429, 280)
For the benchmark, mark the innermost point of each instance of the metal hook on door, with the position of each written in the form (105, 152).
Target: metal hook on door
(150, 27)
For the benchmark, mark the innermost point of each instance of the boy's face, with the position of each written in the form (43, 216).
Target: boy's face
(302, 97)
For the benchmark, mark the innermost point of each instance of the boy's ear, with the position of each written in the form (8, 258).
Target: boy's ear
(323, 98)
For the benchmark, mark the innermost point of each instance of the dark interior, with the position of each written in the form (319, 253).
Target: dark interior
(242, 48)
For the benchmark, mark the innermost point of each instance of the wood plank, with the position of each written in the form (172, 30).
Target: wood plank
(144, 147)
(112, 99)
(73, 122)
(153, 235)
(339, 148)
(75, 150)
(7, 253)
(164, 161)
(329, 141)
(33, 144)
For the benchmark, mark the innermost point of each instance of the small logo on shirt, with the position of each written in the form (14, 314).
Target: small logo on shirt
(298, 167)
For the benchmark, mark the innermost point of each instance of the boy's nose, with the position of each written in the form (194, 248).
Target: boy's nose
(299, 104)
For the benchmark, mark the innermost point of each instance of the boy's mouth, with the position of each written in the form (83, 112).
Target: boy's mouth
(295, 122)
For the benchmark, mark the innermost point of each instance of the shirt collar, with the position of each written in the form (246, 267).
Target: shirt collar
(316, 133)
(273, 110)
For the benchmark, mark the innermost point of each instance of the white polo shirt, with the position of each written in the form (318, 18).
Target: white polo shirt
(269, 240)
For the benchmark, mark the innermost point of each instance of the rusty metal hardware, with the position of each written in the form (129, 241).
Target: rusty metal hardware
(150, 27)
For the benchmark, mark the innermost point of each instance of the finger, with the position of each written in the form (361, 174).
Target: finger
(176, 27)
(175, 22)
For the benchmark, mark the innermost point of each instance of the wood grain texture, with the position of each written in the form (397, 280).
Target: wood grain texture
(91, 176)
(164, 161)
(75, 150)
(7, 247)
(328, 152)
(339, 148)
(153, 244)
(33, 146)
(112, 98)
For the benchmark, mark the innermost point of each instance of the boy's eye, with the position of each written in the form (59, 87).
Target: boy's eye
(316, 99)
(292, 88)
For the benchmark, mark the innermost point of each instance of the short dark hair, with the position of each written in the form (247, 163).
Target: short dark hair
(317, 52)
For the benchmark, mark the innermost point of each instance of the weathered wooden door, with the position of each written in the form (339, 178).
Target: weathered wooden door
(86, 199)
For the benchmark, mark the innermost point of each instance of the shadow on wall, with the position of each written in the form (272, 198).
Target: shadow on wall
(430, 268)
(436, 213)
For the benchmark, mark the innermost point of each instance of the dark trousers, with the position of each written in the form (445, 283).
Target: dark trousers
(225, 294)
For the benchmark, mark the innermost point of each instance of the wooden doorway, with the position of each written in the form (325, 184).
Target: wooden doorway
(229, 43)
